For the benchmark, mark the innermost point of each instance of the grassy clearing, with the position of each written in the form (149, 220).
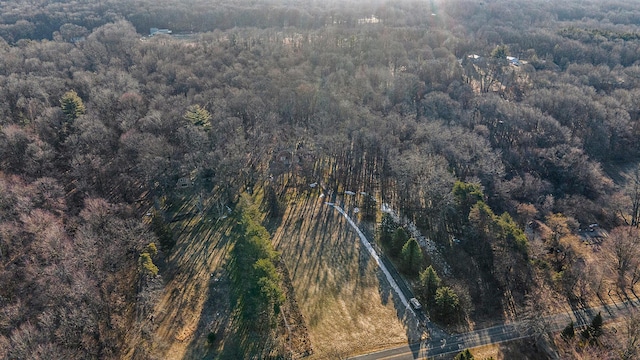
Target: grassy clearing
(347, 304)
(195, 300)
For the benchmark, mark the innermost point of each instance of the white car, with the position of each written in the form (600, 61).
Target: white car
(415, 303)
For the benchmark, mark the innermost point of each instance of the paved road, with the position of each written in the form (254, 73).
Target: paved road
(501, 333)
(441, 343)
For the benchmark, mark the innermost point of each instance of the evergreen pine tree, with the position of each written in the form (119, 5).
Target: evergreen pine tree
(464, 355)
(568, 332)
(72, 105)
(399, 239)
(429, 284)
(199, 116)
(411, 257)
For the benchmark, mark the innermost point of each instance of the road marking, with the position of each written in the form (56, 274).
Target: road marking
(397, 356)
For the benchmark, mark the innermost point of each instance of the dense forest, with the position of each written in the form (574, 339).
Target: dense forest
(478, 120)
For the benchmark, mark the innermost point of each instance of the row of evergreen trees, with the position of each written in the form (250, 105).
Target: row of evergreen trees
(398, 245)
(442, 302)
(485, 236)
(256, 282)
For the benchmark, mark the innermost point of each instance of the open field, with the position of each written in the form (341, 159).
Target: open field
(195, 300)
(345, 300)
(348, 306)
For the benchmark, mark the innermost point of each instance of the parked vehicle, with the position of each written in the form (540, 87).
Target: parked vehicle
(415, 303)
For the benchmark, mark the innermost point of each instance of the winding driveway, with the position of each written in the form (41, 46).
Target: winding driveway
(393, 277)
(375, 256)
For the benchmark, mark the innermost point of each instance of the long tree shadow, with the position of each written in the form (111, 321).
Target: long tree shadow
(330, 268)
(214, 320)
(388, 295)
(193, 305)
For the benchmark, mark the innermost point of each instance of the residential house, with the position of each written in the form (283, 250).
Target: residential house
(156, 31)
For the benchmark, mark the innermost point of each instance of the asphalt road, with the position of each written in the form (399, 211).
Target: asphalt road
(501, 333)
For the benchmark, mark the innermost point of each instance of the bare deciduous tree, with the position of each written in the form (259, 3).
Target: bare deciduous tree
(633, 191)
(631, 345)
(623, 250)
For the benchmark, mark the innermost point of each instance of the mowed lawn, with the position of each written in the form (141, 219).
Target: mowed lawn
(342, 295)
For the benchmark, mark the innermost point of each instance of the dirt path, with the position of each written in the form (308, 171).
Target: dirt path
(403, 292)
